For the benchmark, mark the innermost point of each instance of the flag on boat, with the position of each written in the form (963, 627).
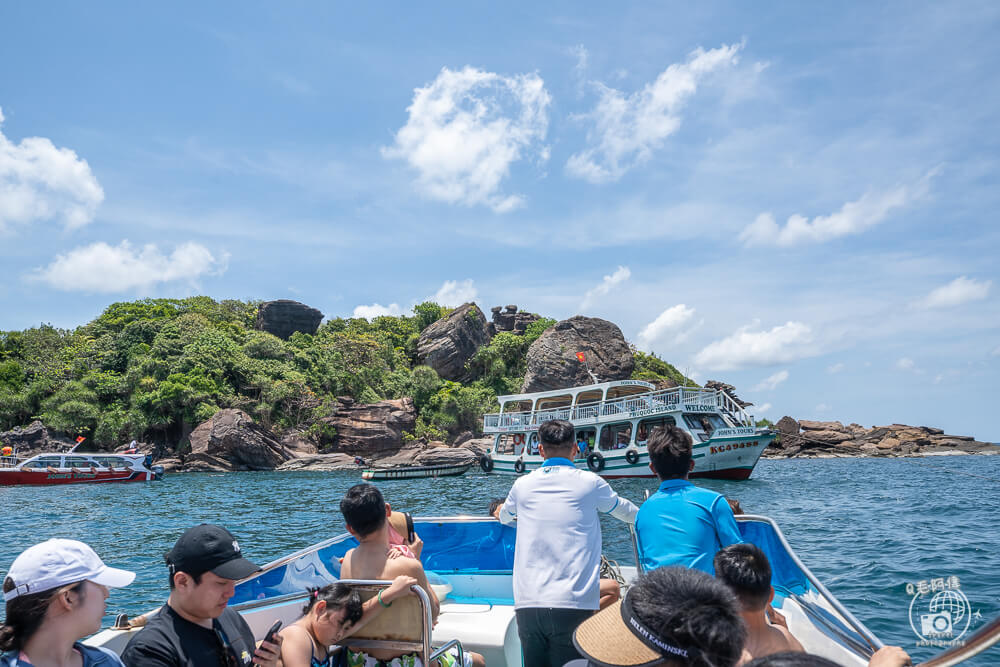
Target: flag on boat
(80, 439)
(580, 356)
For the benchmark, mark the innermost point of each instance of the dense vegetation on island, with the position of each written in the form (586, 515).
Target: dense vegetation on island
(154, 369)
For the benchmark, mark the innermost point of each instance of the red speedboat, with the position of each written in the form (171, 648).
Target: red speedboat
(78, 468)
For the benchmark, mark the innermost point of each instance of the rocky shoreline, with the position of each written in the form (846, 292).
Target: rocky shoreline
(827, 439)
(230, 441)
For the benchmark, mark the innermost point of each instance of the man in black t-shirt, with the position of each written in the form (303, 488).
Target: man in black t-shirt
(195, 628)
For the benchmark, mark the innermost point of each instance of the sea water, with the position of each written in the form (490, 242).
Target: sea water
(865, 527)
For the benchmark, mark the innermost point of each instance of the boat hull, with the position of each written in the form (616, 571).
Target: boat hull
(414, 473)
(46, 478)
(725, 458)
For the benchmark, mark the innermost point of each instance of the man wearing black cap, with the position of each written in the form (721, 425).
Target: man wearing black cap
(195, 628)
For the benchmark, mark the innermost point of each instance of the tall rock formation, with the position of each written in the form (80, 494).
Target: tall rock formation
(284, 317)
(448, 344)
(553, 364)
(373, 428)
(511, 319)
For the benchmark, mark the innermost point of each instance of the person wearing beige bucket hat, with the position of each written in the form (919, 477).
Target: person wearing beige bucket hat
(670, 616)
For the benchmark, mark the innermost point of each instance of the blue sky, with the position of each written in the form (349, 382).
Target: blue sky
(797, 199)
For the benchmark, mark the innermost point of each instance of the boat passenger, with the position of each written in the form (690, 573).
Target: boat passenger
(672, 616)
(681, 524)
(366, 515)
(55, 595)
(557, 553)
(196, 627)
(744, 568)
(333, 612)
(887, 656)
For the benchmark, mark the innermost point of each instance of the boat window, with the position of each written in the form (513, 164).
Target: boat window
(616, 436)
(45, 462)
(587, 436)
(646, 427)
(111, 461)
(554, 402)
(78, 462)
(706, 422)
(584, 397)
(505, 443)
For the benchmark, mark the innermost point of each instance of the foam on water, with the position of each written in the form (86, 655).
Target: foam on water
(865, 527)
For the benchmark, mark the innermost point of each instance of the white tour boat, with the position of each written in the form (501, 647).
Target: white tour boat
(615, 420)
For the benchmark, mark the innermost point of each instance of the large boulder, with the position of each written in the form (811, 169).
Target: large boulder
(33, 439)
(373, 428)
(230, 440)
(448, 344)
(284, 317)
(553, 364)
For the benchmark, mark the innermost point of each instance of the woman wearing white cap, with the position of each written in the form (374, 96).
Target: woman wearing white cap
(55, 593)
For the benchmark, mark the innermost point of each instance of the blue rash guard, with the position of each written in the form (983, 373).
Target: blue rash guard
(682, 524)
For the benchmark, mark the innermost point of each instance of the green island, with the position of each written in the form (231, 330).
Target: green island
(153, 369)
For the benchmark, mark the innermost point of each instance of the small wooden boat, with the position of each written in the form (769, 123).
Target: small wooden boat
(414, 472)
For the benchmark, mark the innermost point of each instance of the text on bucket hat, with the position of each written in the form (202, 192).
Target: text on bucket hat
(209, 548)
(58, 562)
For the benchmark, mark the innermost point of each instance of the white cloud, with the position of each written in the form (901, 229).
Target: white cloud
(771, 382)
(853, 217)
(621, 274)
(761, 409)
(958, 291)
(668, 321)
(782, 344)
(454, 293)
(100, 267)
(465, 130)
(628, 129)
(835, 368)
(41, 182)
(905, 364)
(377, 310)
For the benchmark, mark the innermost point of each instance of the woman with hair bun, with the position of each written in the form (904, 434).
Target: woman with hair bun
(55, 595)
(332, 613)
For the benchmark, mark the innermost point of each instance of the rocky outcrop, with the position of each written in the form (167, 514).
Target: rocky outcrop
(448, 344)
(552, 362)
(510, 319)
(230, 440)
(284, 317)
(727, 389)
(807, 438)
(370, 429)
(321, 463)
(33, 439)
(417, 453)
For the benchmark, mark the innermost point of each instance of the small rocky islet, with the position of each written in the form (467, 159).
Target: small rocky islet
(458, 348)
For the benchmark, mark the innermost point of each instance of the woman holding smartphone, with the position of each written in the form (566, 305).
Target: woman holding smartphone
(331, 614)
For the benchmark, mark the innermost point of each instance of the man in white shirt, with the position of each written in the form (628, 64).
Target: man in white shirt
(557, 555)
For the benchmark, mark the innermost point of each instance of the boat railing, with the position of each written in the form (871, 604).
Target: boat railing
(677, 398)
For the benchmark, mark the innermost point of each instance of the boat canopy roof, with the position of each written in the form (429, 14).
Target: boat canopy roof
(601, 386)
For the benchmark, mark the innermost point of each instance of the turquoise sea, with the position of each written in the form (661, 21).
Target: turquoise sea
(865, 527)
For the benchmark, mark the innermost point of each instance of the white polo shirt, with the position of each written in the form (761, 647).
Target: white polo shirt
(557, 555)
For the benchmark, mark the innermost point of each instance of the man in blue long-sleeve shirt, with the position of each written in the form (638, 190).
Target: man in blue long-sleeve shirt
(681, 524)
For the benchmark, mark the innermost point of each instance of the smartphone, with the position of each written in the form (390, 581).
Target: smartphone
(411, 535)
(269, 637)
